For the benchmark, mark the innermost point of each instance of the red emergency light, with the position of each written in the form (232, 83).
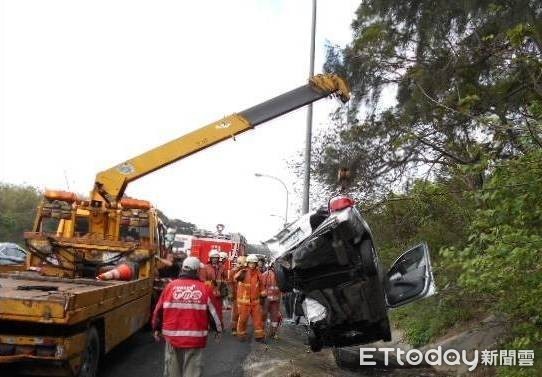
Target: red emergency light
(340, 202)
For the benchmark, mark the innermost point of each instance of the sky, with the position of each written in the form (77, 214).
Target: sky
(89, 84)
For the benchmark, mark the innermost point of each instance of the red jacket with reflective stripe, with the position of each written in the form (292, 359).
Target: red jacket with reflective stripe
(182, 313)
(269, 279)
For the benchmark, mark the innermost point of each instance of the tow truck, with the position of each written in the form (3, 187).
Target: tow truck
(56, 318)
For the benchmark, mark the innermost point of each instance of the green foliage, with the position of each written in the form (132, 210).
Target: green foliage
(426, 320)
(438, 213)
(467, 118)
(501, 262)
(182, 227)
(17, 210)
(466, 76)
(502, 258)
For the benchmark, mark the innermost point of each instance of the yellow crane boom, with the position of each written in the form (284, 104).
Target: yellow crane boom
(111, 184)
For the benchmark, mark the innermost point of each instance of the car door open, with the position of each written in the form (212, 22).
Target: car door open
(410, 278)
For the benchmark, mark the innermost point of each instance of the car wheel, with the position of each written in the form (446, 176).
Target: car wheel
(283, 278)
(345, 358)
(315, 342)
(384, 327)
(369, 259)
(337, 355)
(91, 355)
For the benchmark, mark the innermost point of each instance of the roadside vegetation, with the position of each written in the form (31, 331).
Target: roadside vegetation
(17, 209)
(444, 144)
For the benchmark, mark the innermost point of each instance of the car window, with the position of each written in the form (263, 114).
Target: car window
(14, 252)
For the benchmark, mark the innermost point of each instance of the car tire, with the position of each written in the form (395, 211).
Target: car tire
(369, 259)
(284, 281)
(345, 359)
(337, 355)
(385, 329)
(91, 355)
(315, 342)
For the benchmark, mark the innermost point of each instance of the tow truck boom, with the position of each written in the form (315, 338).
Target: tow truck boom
(111, 184)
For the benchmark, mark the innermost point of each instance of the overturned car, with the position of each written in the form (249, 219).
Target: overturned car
(328, 263)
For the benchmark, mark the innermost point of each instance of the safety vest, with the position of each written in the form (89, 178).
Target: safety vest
(249, 289)
(182, 313)
(270, 283)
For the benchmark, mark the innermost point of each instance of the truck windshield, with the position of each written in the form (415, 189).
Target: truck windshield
(134, 233)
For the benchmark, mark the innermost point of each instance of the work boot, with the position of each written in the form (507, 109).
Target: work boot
(260, 340)
(234, 331)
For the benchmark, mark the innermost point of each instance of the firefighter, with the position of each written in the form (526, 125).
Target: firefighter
(223, 287)
(272, 301)
(261, 264)
(241, 262)
(182, 318)
(213, 276)
(222, 259)
(250, 296)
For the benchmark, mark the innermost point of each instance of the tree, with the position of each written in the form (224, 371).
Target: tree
(466, 76)
(182, 227)
(17, 210)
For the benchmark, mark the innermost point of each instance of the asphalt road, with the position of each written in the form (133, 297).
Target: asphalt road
(287, 356)
(142, 356)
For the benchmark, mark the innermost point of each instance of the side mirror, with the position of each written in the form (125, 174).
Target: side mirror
(410, 278)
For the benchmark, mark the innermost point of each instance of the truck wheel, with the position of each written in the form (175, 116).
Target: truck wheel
(369, 259)
(91, 355)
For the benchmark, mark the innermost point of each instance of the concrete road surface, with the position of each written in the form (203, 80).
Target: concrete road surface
(287, 356)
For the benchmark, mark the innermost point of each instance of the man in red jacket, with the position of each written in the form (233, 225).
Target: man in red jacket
(181, 316)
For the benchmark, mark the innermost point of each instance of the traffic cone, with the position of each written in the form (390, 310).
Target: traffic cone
(121, 272)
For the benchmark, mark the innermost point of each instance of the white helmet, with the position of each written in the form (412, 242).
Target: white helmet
(214, 254)
(223, 255)
(252, 258)
(191, 264)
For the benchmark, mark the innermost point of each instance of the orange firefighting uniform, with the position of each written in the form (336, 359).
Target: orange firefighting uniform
(272, 307)
(249, 291)
(213, 276)
(232, 284)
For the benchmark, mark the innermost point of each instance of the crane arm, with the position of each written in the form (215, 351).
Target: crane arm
(111, 184)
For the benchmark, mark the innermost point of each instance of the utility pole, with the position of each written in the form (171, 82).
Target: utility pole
(308, 137)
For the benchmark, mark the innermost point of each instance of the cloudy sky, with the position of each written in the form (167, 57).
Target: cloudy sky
(89, 84)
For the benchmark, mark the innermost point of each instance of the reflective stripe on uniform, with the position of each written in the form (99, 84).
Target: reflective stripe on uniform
(183, 305)
(185, 333)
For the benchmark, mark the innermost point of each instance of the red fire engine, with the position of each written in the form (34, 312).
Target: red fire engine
(234, 244)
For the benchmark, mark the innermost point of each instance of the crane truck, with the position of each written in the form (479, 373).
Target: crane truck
(56, 318)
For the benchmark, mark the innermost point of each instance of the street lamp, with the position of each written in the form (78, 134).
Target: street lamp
(259, 175)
